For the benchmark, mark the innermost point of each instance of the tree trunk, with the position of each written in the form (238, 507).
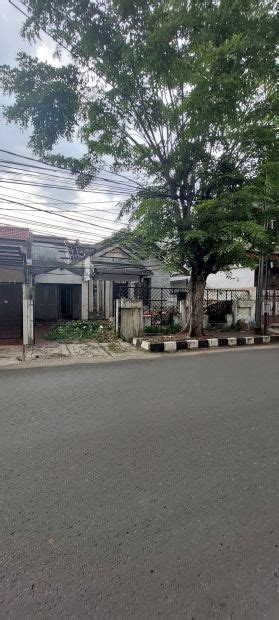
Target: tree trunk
(196, 304)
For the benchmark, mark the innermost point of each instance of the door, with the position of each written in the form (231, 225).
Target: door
(11, 312)
(66, 301)
(76, 288)
(46, 302)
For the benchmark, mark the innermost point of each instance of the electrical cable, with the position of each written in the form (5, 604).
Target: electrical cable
(77, 221)
(19, 191)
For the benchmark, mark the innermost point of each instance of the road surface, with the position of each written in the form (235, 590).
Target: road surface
(142, 489)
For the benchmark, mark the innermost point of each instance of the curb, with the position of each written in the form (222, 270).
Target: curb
(171, 346)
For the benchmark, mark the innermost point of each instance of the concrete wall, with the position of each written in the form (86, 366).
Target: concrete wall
(58, 276)
(108, 299)
(48, 254)
(15, 274)
(240, 277)
(27, 315)
(160, 277)
(84, 301)
(131, 318)
(245, 309)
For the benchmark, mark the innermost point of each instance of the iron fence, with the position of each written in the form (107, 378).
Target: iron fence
(162, 304)
(270, 306)
(219, 302)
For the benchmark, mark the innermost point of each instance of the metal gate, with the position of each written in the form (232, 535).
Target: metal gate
(11, 312)
(160, 303)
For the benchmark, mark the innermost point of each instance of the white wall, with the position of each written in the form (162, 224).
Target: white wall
(27, 315)
(58, 276)
(240, 277)
(84, 301)
(160, 277)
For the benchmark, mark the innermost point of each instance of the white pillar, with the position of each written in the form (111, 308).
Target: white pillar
(108, 299)
(90, 297)
(84, 301)
(27, 315)
(97, 296)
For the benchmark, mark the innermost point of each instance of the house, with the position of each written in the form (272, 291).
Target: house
(46, 278)
(60, 275)
(118, 271)
(237, 278)
(74, 281)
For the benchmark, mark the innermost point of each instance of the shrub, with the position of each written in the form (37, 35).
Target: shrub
(163, 329)
(81, 330)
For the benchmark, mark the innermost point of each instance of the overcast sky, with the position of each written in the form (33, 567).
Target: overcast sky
(100, 205)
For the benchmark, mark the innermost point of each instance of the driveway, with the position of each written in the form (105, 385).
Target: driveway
(141, 489)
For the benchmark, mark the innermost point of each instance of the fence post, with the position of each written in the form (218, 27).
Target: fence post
(131, 318)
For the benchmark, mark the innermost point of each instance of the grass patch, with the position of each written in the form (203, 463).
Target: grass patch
(81, 330)
(163, 329)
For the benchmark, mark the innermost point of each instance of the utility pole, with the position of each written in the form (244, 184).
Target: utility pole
(259, 295)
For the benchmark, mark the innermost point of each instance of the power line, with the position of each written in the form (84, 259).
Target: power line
(75, 232)
(41, 28)
(29, 174)
(10, 199)
(75, 220)
(19, 191)
(144, 194)
(70, 189)
(76, 57)
(22, 209)
(33, 159)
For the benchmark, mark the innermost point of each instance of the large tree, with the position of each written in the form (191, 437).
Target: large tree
(179, 92)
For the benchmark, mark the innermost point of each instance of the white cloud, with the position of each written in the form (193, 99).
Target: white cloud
(45, 53)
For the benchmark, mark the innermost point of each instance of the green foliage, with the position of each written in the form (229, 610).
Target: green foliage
(81, 330)
(49, 100)
(183, 94)
(163, 329)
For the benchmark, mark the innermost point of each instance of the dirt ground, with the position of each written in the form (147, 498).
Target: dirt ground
(209, 333)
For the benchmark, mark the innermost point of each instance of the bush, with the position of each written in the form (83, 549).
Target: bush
(81, 330)
(163, 329)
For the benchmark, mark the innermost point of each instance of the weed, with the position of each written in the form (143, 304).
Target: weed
(81, 330)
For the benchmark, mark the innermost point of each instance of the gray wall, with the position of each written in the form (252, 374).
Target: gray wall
(48, 254)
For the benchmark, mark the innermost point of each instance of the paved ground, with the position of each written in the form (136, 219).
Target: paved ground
(54, 351)
(142, 489)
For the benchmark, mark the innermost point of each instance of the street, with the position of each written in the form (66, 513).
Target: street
(141, 489)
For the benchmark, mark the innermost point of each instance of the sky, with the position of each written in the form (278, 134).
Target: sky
(87, 215)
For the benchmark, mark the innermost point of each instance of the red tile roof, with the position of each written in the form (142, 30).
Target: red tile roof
(11, 232)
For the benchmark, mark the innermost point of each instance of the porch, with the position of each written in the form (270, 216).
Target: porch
(60, 294)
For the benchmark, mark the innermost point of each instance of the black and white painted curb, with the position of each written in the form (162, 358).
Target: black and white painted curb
(170, 346)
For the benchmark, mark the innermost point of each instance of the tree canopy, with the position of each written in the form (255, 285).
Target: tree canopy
(182, 93)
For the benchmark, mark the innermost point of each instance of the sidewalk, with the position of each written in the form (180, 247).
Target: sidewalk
(17, 355)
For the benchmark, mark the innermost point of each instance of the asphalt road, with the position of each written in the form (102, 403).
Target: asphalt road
(142, 489)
